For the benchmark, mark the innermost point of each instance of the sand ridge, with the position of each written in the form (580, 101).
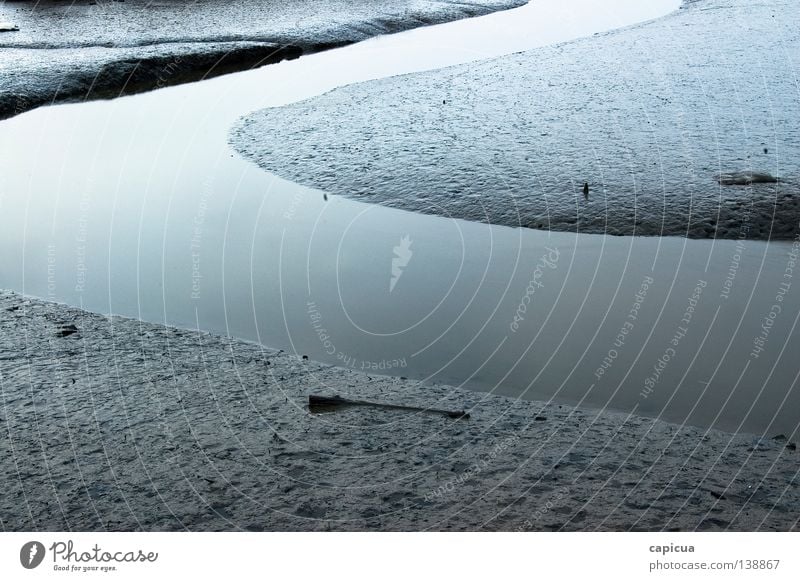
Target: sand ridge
(69, 51)
(646, 116)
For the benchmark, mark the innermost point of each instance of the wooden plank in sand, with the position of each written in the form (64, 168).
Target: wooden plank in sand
(322, 404)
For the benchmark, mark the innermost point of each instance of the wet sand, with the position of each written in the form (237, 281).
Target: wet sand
(116, 424)
(66, 51)
(647, 116)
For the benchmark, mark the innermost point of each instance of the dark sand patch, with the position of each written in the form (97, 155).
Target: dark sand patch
(648, 116)
(68, 51)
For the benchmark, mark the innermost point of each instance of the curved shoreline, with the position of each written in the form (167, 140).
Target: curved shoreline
(178, 430)
(182, 430)
(98, 57)
(512, 140)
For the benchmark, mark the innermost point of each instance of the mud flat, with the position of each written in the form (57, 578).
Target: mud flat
(116, 424)
(68, 51)
(649, 116)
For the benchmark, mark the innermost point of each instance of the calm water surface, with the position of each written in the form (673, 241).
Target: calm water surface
(138, 207)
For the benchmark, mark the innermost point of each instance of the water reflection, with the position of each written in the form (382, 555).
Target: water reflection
(137, 206)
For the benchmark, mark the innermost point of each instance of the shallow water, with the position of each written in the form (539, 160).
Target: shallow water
(137, 206)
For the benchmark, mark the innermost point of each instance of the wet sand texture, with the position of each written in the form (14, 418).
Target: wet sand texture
(66, 51)
(649, 116)
(124, 425)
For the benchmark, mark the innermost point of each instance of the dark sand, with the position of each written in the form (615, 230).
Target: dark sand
(70, 51)
(124, 425)
(648, 116)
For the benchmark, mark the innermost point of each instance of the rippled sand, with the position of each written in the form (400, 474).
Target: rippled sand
(67, 51)
(122, 425)
(647, 116)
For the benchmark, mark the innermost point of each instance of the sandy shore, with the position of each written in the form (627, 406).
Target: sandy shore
(648, 115)
(115, 424)
(68, 51)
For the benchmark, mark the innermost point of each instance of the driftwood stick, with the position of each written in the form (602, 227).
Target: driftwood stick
(322, 404)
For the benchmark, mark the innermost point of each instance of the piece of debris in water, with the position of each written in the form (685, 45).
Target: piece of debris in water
(318, 404)
(8, 27)
(745, 178)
